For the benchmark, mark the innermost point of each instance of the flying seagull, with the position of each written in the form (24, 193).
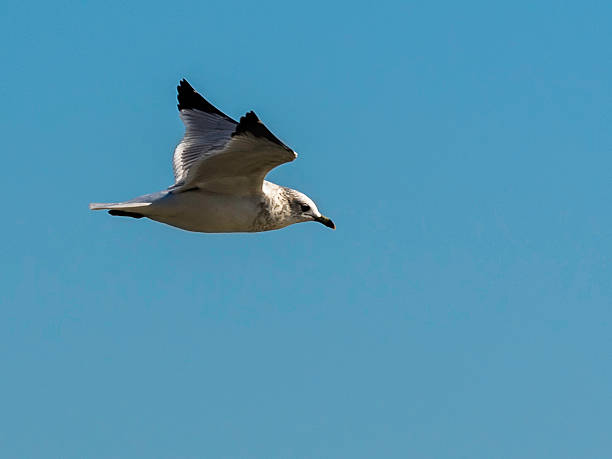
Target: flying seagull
(219, 170)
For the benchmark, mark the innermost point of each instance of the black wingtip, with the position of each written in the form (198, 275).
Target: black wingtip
(250, 123)
(189, 99)
(122, 213)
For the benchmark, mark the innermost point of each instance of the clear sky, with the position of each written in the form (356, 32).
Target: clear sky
(461, 310)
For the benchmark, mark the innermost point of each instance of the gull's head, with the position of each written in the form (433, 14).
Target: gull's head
(303, 209)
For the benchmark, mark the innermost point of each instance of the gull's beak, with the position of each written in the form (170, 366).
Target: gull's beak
(326, 221)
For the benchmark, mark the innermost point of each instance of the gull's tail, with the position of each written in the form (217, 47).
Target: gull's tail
(121, 209)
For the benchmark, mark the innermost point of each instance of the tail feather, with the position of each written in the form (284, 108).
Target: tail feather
(117, 205)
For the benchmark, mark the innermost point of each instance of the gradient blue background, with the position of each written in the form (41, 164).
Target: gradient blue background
(461, 309)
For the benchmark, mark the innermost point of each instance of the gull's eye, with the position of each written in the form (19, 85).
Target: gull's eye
(305, 207)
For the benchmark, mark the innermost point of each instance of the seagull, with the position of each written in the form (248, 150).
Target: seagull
(219, 170)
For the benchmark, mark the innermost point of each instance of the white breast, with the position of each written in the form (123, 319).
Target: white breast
(207, 212)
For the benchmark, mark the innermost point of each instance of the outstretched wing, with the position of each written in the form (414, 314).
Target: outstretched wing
(219, 154)
(207, 129)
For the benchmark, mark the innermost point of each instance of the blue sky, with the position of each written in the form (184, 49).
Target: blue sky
(461, 309)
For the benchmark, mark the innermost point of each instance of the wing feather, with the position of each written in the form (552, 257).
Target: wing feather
(220, 155)
(206, 129)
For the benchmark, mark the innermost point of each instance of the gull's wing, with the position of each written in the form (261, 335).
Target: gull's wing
(206, 130)
(219, 154)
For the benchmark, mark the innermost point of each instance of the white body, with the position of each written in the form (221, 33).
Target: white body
(206, 212)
